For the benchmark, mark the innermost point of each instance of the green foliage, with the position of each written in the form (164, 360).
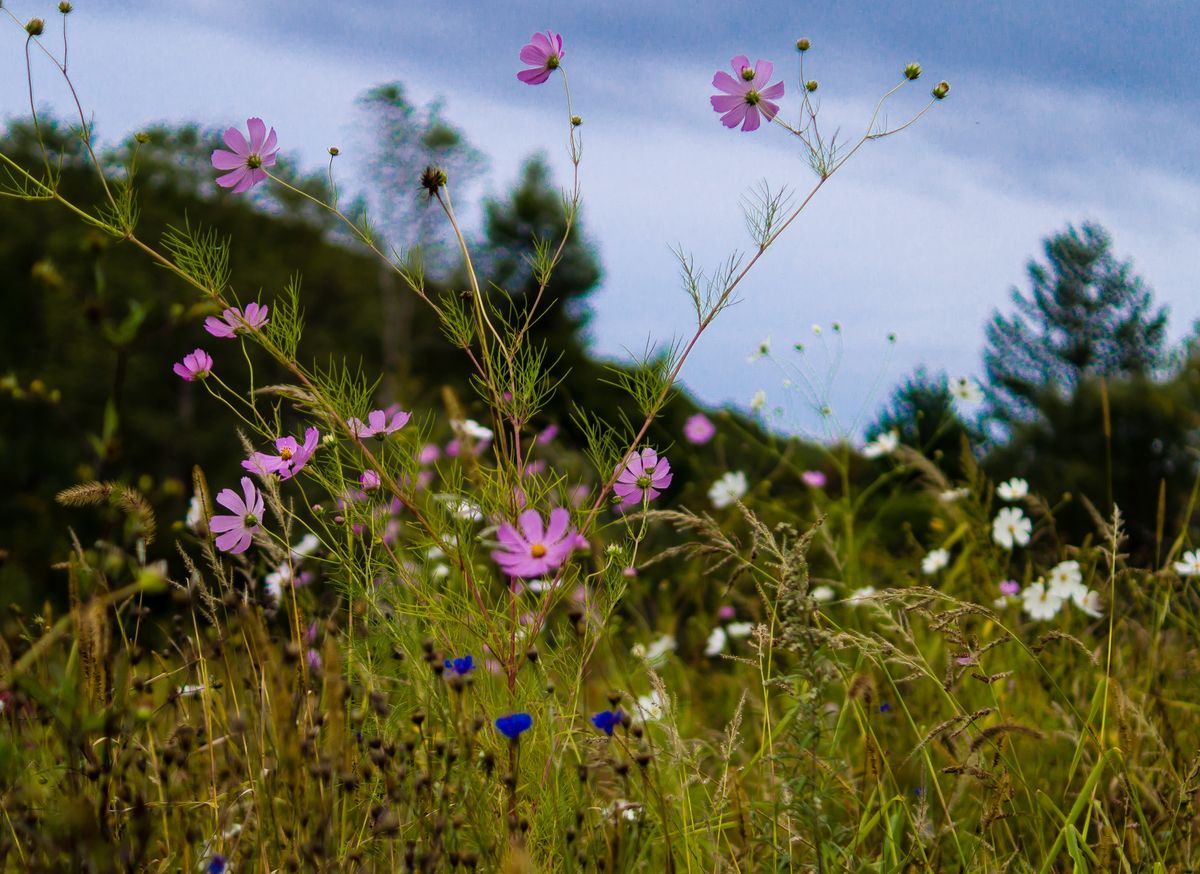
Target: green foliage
(1086, 314)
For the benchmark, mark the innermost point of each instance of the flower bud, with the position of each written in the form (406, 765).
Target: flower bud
(576, 121)
(333, 150)
(810, 85)
(941, 90)
(433, 178)
(141, 137)
(35, 26)
(912, 71)
(65, 7)
(802, 45)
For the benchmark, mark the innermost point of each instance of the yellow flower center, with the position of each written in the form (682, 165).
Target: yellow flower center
(253, 162)
(752, 97)
(537, 550)
(286, 455)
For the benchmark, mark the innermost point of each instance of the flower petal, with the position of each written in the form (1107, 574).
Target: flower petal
(531, 526)
(236, 141)
(231, 501)
(234, 179)
(722, 81)
(258, 134)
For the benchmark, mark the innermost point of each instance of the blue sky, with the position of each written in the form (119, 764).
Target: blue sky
(1059, 113)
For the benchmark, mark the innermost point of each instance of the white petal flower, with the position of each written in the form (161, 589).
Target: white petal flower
(729, 488)
(965, 390)
(653, 706)
(858, 596)
(195, 514)
(1011, 527)
(1190, 564)
(740, 629)
(884, 444)
(1089, 603)
(1013, 490)
(949, 496)
(822, 593)
(471, 428)
(307, 546)
(761, 351)
(758, 401)
(935, 561)
(656, 653)
(1040, 602)
(1066, 580)
(716, 642)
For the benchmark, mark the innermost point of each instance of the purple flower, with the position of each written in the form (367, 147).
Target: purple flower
(216, 864)
(197, 365)
(699, 429)
(547, 434)
(369, 480)
(236, 531)
(234, 320)
(461, 666)
(247, 158)
(430, 453)
(291, 458)
(313, 658)
(1010, 587)
(644, 477)
(607, 720)
(814, 479)
(543, 53)
(747, 95)
(531, 550)
(726, 612)
(514, 724)
(379, 423)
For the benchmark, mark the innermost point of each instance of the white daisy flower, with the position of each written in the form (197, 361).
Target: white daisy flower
(761, 351)
(965, 390)
(1089, 603)
(1189, 566)
(471, 428)
(1066, 580)
(653, 706)
(935, 561)
(1013, 490)
(822, 593)
(1011, 527)
(716, 642)
(729, 488)
(655, 655)
(884, 444)
(740, 629)
(858, 596)
(1040, 602)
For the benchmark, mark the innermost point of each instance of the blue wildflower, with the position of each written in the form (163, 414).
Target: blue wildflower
(884, 707)
(461, 666)
(216, 865)
(607, 720)
(512, 725)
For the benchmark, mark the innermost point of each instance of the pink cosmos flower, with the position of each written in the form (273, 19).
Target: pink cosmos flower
(699, 429)
(430, 453)
(814, 479)
(247, 158)
(1010, 587)
(235, 532)
(531, 549)
(369, 480)
(198, 365)
(644, 477)
(291, 458)
(746, 94)
(234, 320)
(726, 612)
(379, 423)
(543, 53)
(547, 434)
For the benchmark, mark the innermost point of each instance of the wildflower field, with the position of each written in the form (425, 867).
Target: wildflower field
(297, 577)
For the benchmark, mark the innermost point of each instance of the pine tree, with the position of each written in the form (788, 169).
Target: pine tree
(1085, 314)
